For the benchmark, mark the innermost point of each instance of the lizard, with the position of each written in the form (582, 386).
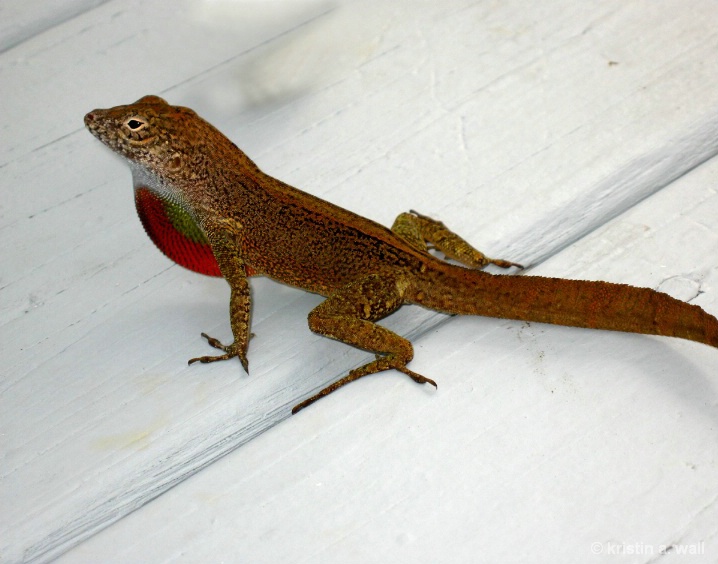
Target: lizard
(209, 208)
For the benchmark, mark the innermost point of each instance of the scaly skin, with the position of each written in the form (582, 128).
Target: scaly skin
(208, 207)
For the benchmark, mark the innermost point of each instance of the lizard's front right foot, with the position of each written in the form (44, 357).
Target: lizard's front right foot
(230, 351)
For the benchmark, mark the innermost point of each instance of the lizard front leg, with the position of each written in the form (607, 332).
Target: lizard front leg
(222, 238)
(349, 315)
(418, 230)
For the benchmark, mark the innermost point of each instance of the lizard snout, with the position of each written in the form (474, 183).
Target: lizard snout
(90, 117)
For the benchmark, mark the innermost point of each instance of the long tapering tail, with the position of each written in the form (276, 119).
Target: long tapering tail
(576, 303)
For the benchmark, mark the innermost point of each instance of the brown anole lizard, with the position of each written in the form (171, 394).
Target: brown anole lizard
(208, 207)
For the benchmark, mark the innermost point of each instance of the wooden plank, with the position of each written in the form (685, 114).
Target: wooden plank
(523, 137)
(542, 443)
(23, 19)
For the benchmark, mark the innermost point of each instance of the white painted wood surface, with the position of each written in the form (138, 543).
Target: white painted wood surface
(526, 128)
(543, 444)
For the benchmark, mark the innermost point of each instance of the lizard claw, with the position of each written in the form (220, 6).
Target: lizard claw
(206, 359)
(230, 351)
(216, 343)
(505, 263)
(418, 378)
(244, 361)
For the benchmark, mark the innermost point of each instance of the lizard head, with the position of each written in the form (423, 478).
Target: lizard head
(152, 134)
(169, 149)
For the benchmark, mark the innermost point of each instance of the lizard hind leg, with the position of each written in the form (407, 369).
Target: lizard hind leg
(349, 314)
(421, 231)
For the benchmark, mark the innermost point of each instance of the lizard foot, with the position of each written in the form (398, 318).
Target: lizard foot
(382, 363)
(230, 351)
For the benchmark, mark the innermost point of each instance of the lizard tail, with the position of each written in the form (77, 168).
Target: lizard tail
(575, 303)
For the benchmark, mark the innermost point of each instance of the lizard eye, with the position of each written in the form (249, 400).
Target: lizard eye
(135, 124)
(137, 130)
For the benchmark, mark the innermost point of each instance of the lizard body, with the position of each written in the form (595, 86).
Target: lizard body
(211, 209)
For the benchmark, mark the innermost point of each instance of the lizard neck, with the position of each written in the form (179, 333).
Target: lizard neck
(144, 178)
(210, 194)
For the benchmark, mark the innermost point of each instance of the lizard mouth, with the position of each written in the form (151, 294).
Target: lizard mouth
(94, 124)
(101, 127)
